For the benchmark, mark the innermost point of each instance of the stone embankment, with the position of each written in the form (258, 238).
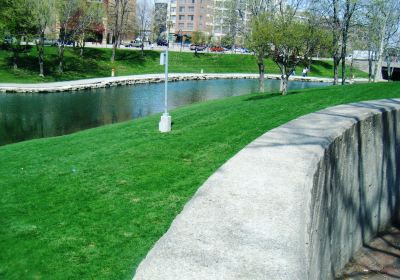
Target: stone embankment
(136, 79)
(296, 203)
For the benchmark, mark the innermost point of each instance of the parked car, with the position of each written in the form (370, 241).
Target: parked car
(217, 49)
(47, 42)
(194, 47)
(135, 44)
(50, 42)
(162, 43)
(66, 43)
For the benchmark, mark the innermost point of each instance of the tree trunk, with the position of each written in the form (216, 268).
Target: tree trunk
(378, 62)
(351, 69)
(261, 70)
(40, 49)
(343, 71)
(15, 60)
(309, 63)
(113, 51)
(284, 84)
(378, 66)
(345, 32)
(336, 62)
(343, 57)
(82, 48)
(336, 37)
(369, 65)
(116, 29)
(61, 49)
(389, 68)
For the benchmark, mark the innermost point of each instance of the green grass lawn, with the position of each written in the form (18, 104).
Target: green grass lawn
(96, 63)
(91, 204)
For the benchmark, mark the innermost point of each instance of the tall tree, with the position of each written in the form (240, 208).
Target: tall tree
(143, 21)
(44, 15)
(338, 15)
(75, 17)
(349, 9)
(290, 41)
(119, 11)
(318, 37)
(68, 12)
(259, 43)
(283, 35)
(382, 19)
(16, 22)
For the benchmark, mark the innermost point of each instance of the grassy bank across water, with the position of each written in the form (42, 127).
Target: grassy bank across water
(96, 63)
(90, 205)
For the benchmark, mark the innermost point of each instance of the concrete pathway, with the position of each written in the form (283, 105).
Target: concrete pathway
(379, 260)
(138, 79)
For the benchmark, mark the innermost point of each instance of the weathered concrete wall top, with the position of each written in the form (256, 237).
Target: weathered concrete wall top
(294, 204)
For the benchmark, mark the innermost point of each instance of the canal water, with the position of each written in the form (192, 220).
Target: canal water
(29, 116)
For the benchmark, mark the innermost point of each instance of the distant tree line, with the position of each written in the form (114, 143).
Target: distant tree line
(23, 22)
(291, 32)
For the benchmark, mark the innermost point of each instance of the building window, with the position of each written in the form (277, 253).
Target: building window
(181, 25)
(191, 9)
(181, 9)
(181, 17)
(191, 17)
(193, 1)
(173, 18)
(173, 9)
(190, 26)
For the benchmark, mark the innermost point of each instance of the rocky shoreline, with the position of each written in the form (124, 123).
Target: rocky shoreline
(138, 79)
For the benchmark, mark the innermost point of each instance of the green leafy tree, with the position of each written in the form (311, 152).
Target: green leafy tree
(259, 43)
(289, 41)
(17, 24)
(284, 37)
(227, 41)
(44, 17)
(75, 18)
(318, 37)
(339, 15)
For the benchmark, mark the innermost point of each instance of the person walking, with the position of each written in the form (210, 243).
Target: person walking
(305, 71)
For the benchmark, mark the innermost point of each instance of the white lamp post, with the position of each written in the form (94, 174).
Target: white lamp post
(165, 122)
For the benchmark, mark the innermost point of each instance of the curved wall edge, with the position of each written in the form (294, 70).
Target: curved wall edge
(296, 203)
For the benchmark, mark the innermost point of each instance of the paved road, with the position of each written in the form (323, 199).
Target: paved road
(379, 260)
(176, 47)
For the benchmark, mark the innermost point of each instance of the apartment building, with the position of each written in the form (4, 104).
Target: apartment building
(191, 15)
(217, 18)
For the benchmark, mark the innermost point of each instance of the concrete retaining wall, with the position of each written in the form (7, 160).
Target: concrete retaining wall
(294, 204)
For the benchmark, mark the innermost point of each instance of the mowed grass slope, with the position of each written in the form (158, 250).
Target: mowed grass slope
(90, 205)
(96, 63)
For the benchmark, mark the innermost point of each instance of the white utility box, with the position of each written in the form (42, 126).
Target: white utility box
(165, 123)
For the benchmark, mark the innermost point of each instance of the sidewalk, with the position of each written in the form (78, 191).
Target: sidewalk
(379, 260)
(140, 79)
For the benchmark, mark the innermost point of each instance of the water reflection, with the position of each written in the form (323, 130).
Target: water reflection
(31, 116)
